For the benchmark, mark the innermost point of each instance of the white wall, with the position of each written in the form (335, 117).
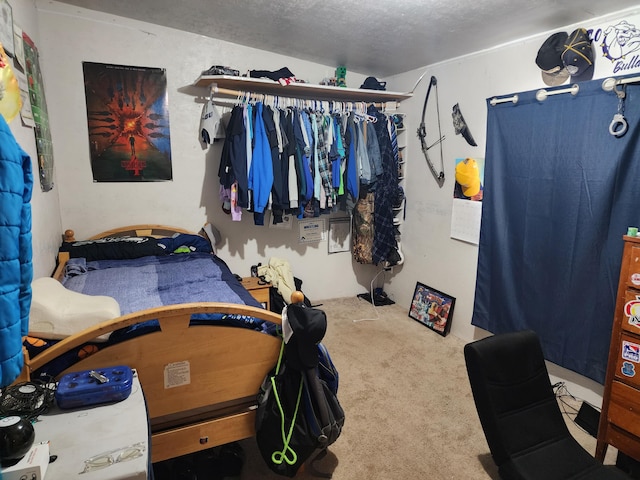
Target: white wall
(72, 35)
(75, 35)
(433, 257)
(44, 205)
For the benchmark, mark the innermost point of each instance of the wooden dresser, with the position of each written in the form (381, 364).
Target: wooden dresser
(620, 417)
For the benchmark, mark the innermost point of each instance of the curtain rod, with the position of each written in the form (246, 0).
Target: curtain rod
(609, 84)
(541, 95)
(494, 101)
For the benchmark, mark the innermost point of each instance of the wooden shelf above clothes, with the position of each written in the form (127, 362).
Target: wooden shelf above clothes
(230, 85)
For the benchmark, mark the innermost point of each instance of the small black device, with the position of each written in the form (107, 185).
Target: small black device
(588, 417)
(16, 438)
(254, 269)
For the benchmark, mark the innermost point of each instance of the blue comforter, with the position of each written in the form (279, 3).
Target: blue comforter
(148, 282)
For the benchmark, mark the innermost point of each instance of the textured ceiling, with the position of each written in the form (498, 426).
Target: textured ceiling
(372, 37)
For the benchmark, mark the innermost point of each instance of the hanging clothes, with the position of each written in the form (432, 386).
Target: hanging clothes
(280, 193)
(336, 156)
(312, 161)
(364, 228)
(248, 117)
(233, 162)
(261, 171)
(324, 167)
(289, 156)
(305, 133)
(384, 242)
(373, 151)
(353, 174)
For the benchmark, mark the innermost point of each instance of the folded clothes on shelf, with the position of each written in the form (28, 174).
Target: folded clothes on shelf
(220, 70)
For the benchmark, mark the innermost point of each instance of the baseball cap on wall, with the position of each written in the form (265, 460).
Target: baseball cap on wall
(549, 59)
(211, 126)
(468, 176)
(578, 56)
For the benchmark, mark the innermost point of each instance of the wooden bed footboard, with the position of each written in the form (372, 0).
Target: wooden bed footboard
(200, 382)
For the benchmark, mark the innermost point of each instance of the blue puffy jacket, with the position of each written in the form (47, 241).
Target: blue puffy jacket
(16, 269)
(261, 170)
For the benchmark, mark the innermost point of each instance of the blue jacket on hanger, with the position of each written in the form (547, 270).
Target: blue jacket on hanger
(16, 269)
(261, 171)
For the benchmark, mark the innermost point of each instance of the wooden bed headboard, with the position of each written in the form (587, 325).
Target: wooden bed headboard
(144, 230)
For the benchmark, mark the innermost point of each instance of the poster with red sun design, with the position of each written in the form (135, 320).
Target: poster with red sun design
(128, 120)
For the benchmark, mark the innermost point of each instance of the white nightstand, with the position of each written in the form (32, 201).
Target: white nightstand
(115, 432)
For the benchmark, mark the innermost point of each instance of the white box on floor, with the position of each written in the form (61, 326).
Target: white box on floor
(33, 465)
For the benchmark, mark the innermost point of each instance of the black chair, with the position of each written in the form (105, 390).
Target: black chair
(522, 422)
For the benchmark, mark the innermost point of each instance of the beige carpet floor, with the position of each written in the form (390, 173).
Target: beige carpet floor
(408, 405)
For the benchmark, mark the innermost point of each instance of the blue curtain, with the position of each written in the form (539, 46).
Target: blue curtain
(559, 194)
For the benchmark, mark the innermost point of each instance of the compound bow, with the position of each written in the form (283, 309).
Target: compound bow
(422, 134)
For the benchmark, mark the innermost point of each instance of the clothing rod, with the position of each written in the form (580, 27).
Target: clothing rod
(494, 101)
(542, 94)
(230, 102)
(215, 92)
(609, 84)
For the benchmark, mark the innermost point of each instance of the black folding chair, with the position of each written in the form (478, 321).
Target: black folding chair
(522, 422)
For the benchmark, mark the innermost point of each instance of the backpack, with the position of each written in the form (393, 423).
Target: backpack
(327, 370)
(298, 413)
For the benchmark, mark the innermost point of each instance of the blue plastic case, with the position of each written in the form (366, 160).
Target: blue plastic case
(91, 387)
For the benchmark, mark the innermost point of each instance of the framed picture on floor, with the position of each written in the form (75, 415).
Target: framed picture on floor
(432, 308)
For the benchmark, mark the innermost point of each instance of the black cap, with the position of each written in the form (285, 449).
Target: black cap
(577, 56)
(372, 83)
(549, 59)
(309, 326)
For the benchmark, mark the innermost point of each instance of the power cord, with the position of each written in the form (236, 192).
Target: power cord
(563, 396)
(373, 301)
(28, 399)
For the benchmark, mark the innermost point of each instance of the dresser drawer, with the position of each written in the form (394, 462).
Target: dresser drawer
(628, 362)
(633, 279)
(624, 408)
(187, 439)
(630, 318)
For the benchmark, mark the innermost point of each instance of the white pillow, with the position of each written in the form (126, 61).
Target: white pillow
(57, 312)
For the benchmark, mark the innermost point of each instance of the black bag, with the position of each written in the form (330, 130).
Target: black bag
(327, 370)
(298, 413)
(323, 412)
(282, 433)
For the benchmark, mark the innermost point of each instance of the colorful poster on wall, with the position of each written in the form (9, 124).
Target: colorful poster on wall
(128, 120)
(10, 100)
(40, 114)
